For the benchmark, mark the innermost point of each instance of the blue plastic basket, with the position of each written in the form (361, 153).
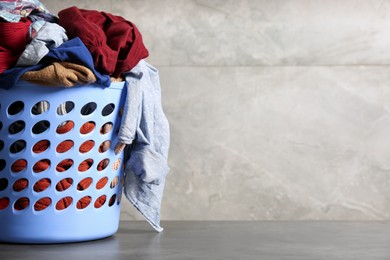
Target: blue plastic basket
(30, 214)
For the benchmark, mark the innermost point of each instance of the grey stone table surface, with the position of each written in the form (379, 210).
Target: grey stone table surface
(224, 240)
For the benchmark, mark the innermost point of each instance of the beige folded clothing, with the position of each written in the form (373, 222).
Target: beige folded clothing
(61, 73)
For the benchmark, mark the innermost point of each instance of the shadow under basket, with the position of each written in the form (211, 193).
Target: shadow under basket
(60, 180)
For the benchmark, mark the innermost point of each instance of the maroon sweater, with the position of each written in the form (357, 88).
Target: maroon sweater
(115, 44)
(12, 42)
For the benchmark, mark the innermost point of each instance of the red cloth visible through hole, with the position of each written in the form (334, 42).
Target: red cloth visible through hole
(86, 146)
(61, 167)
(41, 146)
(83, 202)
(61, 186)
(21, 203)
(41, 165)
(84, 184)
(87, 128)
(65, 128)
(101, 183)
(64, 146)
(19, 165)
(102, 164)
(41, 185)
(100, 201)
(64, 184)
(20, 185)
(64, 203)
(42, 204)
(4, 202)
(85, 165)
(64, 165)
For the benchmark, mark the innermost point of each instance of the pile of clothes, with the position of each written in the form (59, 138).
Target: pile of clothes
(80, 47)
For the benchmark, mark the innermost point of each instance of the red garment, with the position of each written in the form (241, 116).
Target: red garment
(22, 203)
(86, 146)
(20, 185)
(63, 129)
(64, 184)
(41, 166)
(87, 127)
(64, 203)
(13, 41)
(4, 202)
(100, 201)
(42, 204)
(41, 146)
(42, 185)
(115, 44)
(64, 146)
(83, 202)
(19, 165)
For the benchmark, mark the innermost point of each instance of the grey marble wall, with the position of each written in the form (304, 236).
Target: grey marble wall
(278, 109)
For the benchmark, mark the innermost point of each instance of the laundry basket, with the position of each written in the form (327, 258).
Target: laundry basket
(60, 180)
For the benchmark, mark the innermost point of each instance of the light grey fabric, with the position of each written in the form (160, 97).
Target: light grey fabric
(48, 36)
(146, 131)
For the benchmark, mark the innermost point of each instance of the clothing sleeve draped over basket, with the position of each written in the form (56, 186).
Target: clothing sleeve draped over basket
(146, 128)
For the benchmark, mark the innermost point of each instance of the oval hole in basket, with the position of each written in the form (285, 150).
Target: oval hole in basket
(101, 183)
(86, 146)
(106, 128)
(84, 184)
(65, 108)
(105, 146)
(42, 185)
(114, 182)
(1, 145)
(15, 108)
(119, 199)
(65, 127)
(64, 146)
(3, 184)
(112, 200)
(16, 127)
(41, 165)
(64, 203)
(99, 202)
(41, 146)
(88, 108)
(117, 164)
(20, 185)
(64, 165)
(2, 164)
(83, 202)
(4, 202)
(103, 164)
(17, 146)
(42, 204)
(85, 165)
(40, 107)
(19, 165)
(64, 184)
(108, 109)
(41, 127)
(87, 127)
(22, 203)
